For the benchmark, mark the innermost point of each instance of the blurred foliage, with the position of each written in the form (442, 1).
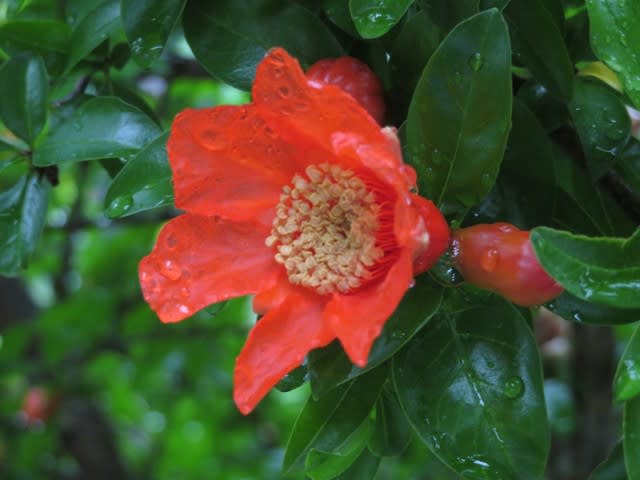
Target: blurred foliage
(499, 128)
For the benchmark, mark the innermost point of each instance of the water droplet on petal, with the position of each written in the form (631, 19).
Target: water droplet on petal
(184, 292)
(119, 206)
(489, 259)
(513, 387)
(171, 270)
(212, 140)
(476, 61)
(183, 309)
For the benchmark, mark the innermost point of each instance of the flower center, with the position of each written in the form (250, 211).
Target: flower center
(324, 230)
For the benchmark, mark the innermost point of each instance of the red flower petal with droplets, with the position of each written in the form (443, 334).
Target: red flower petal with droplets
(303, 200)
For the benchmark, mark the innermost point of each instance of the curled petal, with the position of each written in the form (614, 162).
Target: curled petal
(276, 345)
(436, 240)
(357, 319)
(318, 114)
(198, 261)
(228, 161)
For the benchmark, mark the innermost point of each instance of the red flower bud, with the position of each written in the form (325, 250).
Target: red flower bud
(355, 78)
(38, 405)
(500, 258)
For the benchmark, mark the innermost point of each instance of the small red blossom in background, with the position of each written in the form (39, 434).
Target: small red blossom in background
(499, 257)
(355, 78)
(301, 199)
(38, 405)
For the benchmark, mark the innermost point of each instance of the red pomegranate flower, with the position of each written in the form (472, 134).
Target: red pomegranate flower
(302, 200)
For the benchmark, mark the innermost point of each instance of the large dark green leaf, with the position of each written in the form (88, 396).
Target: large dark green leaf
(103, 127)
(374, 18)
(602, 123)
(613, 467)
(540, 45)
(244, 30)
(23, 106)
(147, 24)
(631, 437)
(460, 113)
(364, 468)
(471, 387)
(600, 270)
(144, 182)
(575, 309)
(447, 14)
(22, 215)
(392, 432)
(551, 112)
(615, 34)
(330, 366)
(629, 165)
(327, 424)
(626, 383)
(92, 30)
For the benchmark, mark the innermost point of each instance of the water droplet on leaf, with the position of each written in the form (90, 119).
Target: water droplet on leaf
(514, 387)
(476, 61)
(119, 206)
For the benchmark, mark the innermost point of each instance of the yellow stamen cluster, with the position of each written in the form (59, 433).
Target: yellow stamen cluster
(324, 230)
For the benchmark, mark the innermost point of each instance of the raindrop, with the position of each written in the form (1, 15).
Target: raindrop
(476, 61)
(184, 292)
(437, 157)
(458, 78)
(486, 180)
(212, 140)
(489, 259)
(577, 316)
(514, 387)
(171, 270)
(119, 206)
(412, 283)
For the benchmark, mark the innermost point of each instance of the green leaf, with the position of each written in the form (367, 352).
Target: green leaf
(575, 309)
(338, 12)
(540, 45)
(374, 18)
(364, 468)
(631, 437)
(330, 366)
(550, 112)
(613, 467)
(326, 424)
(561, 410)
(471, 387)
(147, 24)
(392, 432)
(629, 165)
(626, 383)
(459, 116)
(448, 14)
(615, 33)
(22, 216)
(600, 270)
(103, 127)
(143, 183)
(248, 29)
(24, 111)
(602, 122)
(92, 30)
(323, 465)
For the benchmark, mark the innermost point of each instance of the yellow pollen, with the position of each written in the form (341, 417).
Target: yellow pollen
(324, 230)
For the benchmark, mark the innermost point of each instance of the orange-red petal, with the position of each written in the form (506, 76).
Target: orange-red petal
(438, 232)
(276, 345)
(198, 261)
(227, 161)
(317, 113)
(357, 319)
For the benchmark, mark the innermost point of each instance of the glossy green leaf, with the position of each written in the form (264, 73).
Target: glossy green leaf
(392, 432)
(551, 112)
(602, 122)
(575, 309)
(629, 165)
(540, 45)
(613, 467)
(103, 127)
(471, 387)
(615, 33)
(92, 30)
(447, 14)
(147, 24)
(330, 366)
(143, 183)
(326, 424)
(24, 110)
(626, 383)
(364, 468)
(600, 270)
(374, 18)
(324, 465)
(22, 216)
(248, 29)
(338, 12)
(460, 113)
(631, 437)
